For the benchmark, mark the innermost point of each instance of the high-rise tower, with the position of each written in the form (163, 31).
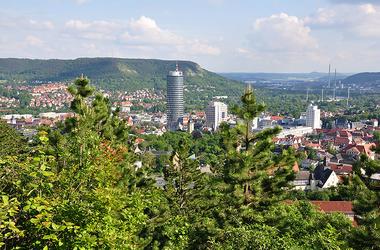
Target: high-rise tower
(313, 117)
(216, 112)
(175, 106)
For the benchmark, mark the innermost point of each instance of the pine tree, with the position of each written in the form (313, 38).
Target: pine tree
(11, 142)
(253, 173)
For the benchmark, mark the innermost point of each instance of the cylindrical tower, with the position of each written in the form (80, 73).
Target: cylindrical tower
(175, 107)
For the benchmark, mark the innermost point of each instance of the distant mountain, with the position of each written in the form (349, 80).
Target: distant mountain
(313, 76)
(117, 73)
(368, 79)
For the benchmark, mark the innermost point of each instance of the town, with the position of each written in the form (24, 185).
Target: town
(329, 152)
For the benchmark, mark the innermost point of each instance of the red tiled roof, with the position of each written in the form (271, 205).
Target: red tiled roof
(345, 133)
(276, 118)
(312, 145)
(296, 168)
(319, 130)
(364, 149)
(340, 168)
(139, 140)
(334, 206)
(341, 140)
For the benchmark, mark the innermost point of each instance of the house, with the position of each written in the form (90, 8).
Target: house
(329, 207)
(312, 145)
(302, 180)
(337, 158)
(341, 141)
(322, 154)
(324, 178)
(125, 106)
(355, 150)
(138, 165)
(340, 169)
(309, 164)
(375, 177)
(344, 207)
(137, 150)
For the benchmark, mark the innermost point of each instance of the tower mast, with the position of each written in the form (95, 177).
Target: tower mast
(335, 85)
(329, 74)
(322, 95)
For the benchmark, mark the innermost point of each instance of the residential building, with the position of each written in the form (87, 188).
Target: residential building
(296, 131)
(329, 207)
(302, 180)
(324, 178)
(216, 112)
(190, 127)
(313, 117)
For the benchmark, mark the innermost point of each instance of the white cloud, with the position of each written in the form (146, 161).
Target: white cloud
(33, 41)
(146, 31)
(81, 1)
(196, 47)
(99, 25)
(41, 24)
(360, 21)
(354, 2)
(282, 33)
(216, 2)
(22, 23)
(242, 50)
(142, 34)
(281, 42)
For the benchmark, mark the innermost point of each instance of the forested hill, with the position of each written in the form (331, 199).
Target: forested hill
(365, 78)
(114, 73)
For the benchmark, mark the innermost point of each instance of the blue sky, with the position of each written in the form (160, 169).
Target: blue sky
(220, 35)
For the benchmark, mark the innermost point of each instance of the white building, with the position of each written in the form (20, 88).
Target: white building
(190, 126)
(313, 117)
(296, 131)
(255, 123)
(216, 112)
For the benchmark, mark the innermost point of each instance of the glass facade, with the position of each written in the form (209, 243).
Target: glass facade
(175, 104)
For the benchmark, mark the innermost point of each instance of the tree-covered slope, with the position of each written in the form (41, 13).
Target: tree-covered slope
(115, 73)
(366, 79)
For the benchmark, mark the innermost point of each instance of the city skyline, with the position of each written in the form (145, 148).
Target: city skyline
(243, 36)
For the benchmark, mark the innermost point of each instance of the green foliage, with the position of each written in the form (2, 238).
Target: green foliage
(117, 73)
(11, 142)
(251, 169)
(78, 188)
(296, 226)
(366, 78)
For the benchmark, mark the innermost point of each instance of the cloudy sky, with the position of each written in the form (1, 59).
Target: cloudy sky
(221, 35)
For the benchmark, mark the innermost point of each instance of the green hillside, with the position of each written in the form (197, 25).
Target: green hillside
(117, 73)
(365, 79)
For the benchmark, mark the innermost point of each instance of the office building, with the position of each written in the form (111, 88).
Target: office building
(175, 105)
(216, 112)
(313, 117)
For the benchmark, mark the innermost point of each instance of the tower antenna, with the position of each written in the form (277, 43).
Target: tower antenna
(307, 95)
(329, 74)
(176, 66)
(335, 85)
(248, 88)
(322, 95)
(348, 95)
